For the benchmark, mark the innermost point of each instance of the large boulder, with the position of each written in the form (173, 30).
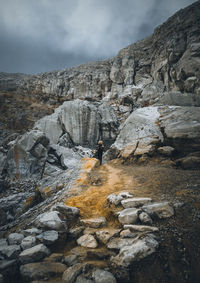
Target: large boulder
(149, 127)
(50, 220)
(140, 249)
(34, 254)
(26, 157)
(81, 122)
(41, 270)
(103, 276)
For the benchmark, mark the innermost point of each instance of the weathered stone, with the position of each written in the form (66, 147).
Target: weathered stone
(91, 231)
(50, 220)
(102, 276)
(128, 216)
(160, 210)
(15, 239)
(70, 275)
(34, 254)
(166, 150)
(87, 241)
(127, 234)
(145, 218)
(135, 202)
(141, 228)
(71, 260)
(41, 270)
(10, 252)
(118, 243)
(32, 232)
(94, 222)
(68, 211)
(189, 162)
(76, 232)
(22, 160)
(105, 235)
(82, 279)
(48, 237)
(28, 242)
(117, 198)
(135, 252)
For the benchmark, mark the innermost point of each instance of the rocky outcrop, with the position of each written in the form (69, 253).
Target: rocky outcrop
(83, 122)
(148, 128)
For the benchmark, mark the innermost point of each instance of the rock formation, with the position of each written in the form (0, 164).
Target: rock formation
(144, 103)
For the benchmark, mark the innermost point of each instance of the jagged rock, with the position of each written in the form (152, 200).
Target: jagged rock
(135, 202)
(55, 257)
(166, 150)
(87, 241)
(34, 254)
(32, 232)
(102, 276)
(94, 222)
(70, 275)
(141, 228)
(48, 237)
(41, 270)
(28, 242)
(82, 279)
(145, 218)
(68, 211)
(15, 239)
(2, 162)
(128, 216)
(117, 198)
(105, 235)
(118, 243)
(10, 252)
(23, 159)
(50, 220)
(144, 129)
(140, 249)
(160, 210)
(82, 121)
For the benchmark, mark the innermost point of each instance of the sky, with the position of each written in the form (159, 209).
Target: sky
(44, 35)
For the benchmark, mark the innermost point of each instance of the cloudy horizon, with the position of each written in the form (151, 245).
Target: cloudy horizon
(40, 36)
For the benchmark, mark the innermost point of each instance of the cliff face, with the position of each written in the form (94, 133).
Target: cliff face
(165, 64)
(161, 69)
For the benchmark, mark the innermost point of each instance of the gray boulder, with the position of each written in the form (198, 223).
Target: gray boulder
(15, 238)
(160, 210)
(68, 212)
(41, 270)
(10, 252)
(70, 275)
(27, 156)
(50, 220)
(118, 243)
(128, 216)
(48, 237)
(32, 232)
(105, 235)
(103, 276)
(87, 241)
(145, 218)
(94, 222)
(117, 198)
(28, 242)
(140, 249)
(34, 254)
(135, 202)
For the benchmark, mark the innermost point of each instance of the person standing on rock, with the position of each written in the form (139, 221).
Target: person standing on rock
(99, 151)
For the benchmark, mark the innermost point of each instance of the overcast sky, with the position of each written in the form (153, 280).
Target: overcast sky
(42, 35)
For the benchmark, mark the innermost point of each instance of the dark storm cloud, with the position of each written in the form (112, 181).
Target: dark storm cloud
(37, 36)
